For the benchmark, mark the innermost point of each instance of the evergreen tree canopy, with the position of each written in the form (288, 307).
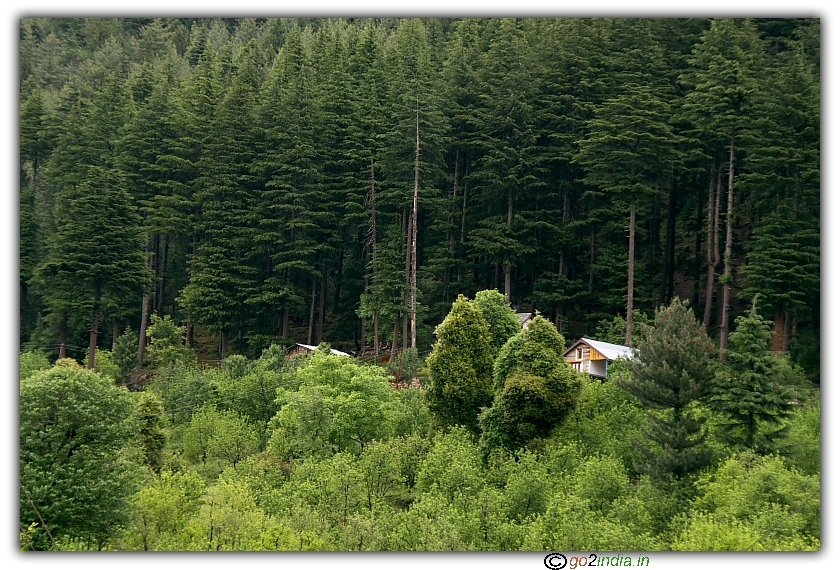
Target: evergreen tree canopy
(461, 367)
(753, 390)
(673, 368)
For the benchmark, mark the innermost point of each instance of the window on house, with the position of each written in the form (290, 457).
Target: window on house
(579, 353)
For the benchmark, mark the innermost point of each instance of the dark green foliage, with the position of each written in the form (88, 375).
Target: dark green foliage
(673, 368)
(124, 354)
(535, 387)
(166, 347)
(613, 331)
(752, 392)
(74, 426)
(460, 367)
(500, 318)
(149, 418)
(240, 157)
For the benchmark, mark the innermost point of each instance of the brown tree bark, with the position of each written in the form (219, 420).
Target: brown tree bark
(322, 301)
(727, 258)
(414, 233)
(62, 336)
(507, 257)
(778, 330)
(311, 312)
(161, 297)
(712, 247)
(631, 266)
(144, 315)
(94, 329)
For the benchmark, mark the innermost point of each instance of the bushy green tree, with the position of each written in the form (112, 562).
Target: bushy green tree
(500, 318)
(32, 362)
(167, 345)
(74, 426)
(149, 417)
(339, 406)
(536, 389)
(124, 353)
(223, 436)
(753, 503)
(161, 510)
(673, 368)
(460, 367)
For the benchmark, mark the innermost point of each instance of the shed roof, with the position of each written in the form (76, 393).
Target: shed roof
(524, 317)
(609, 350)
(314, 348)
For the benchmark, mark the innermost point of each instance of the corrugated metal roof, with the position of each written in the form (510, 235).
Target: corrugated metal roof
(332, 350)
(611, 351)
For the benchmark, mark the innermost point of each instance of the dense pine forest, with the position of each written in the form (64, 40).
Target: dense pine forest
(197, 196)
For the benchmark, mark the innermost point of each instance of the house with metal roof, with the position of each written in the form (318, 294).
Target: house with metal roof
(594, 356)
(309, 349)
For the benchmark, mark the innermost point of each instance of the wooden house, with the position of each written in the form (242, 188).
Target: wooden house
(594, 357)
(309, 349)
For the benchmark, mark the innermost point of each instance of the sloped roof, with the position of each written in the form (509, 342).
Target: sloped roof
(523, 317)
(609, 350)
(332, 350)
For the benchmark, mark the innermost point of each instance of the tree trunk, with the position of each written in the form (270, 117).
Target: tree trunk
(778, 330)
(321, 301)
(698, 225)
(631, 266)
(451, 233)
(224, 342)
(94, 329)
(667, 291)
(507, 257)
(62, 336)
(407, 285)
(712, 247)
(396, 339)
(727, 258)
(463, 217)
(591, 258)
(311, 312)
(414, 234)
(144, 315)
(162, 276)
(339, 277)
(116, 333)
(786, 335)
(286, 308)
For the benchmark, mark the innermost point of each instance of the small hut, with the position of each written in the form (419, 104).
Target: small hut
(594, 357)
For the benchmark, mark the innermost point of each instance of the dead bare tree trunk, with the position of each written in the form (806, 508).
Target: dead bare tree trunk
(407, 286)
(507, 258)
(311, 312)
(162, 276)
(727, 257)
(712, 246)
(144, 317)
(94, 329)
(414, 232)
(62, 336)
(321, 302)
(631, 266)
